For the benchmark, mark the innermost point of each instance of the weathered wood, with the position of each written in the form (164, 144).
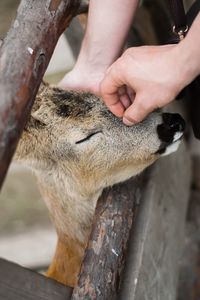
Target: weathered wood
(189, 277)
(24, 57)
(18, 283)
(157, 238)
(103, 264)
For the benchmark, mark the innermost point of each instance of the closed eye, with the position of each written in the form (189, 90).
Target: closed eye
(88, 137)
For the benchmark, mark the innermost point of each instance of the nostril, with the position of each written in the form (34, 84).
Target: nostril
(174, 122)
(178, 126)
(165, 134)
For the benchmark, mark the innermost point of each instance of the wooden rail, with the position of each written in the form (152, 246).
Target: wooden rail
(17, 283)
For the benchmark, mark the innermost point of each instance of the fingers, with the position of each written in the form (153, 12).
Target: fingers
(130, 93)
(115, 105)
(124, 97)
(112, 90)
(150, 85)
(126, 102)
(123, 101)
(138, 111)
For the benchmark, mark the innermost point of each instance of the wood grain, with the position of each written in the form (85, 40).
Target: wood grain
(17, 283)
(103, 264)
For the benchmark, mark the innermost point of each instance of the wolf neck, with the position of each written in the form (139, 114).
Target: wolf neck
(70, 207)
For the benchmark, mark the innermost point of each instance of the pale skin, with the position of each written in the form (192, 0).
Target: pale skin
(107, 28)
(143, 78)
(156, 74)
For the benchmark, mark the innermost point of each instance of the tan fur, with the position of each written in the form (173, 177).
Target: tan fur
(66, 263)
(71, 174)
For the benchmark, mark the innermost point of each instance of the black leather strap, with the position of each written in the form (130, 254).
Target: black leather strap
(192, 91)
(178, 14)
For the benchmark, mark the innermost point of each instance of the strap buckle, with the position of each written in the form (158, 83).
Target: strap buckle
(181, 33)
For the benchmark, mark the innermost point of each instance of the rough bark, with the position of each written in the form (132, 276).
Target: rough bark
(24, 57)
(103, 264)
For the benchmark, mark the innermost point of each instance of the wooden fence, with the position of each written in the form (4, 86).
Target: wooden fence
(24, 57)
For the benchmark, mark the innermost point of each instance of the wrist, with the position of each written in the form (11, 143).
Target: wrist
(97, 53)
(188, 58)
(91, 59)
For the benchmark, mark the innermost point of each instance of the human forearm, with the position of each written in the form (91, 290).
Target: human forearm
(107, 28)
(188, 53)
(108, 25)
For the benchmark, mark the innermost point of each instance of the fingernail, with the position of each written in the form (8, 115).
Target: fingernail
(128, 122)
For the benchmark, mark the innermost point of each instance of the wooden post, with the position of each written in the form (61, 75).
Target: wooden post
(104, 260)
(24, 57)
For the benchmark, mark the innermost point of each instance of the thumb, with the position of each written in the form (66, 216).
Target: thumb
(137, 112)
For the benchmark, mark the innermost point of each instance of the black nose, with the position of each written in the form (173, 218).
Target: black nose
(172, 123)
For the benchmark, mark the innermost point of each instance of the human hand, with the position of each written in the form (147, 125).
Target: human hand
(102, 44)
(154, 75)
(82, 79)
